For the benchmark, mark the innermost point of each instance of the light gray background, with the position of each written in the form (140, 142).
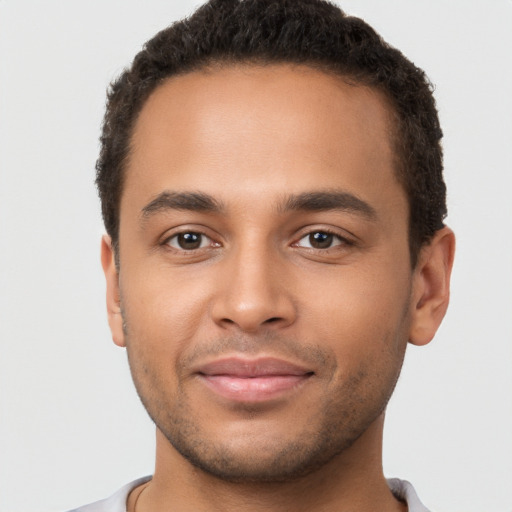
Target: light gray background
(72, 429)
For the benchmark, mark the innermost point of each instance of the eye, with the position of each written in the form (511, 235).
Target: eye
(320, 240)
(189, 240)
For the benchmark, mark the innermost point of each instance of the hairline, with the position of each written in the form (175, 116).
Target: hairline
(217, 63)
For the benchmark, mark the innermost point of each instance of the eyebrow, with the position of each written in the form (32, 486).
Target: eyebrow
(307, 201)
(191, 201)
(329, 200)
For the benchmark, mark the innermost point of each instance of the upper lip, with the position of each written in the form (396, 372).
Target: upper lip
(247, 368)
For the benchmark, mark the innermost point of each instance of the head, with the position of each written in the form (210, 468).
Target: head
(269, 171)
(309, 32)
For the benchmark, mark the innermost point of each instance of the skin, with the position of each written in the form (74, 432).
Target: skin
(257, 143)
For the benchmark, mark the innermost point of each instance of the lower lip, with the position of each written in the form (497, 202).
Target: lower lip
(253, 389)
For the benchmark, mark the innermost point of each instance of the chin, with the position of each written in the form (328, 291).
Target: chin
(260, 455)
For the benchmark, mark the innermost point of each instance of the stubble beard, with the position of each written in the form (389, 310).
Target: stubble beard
(344, 416)
(279, 460)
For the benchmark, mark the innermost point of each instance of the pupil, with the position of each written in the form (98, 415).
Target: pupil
(189, 240)
(320, 240)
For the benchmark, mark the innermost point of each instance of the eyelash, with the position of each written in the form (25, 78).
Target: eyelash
(198, 234)
(342, 241)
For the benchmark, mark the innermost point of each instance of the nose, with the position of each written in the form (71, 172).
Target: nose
(254, 292)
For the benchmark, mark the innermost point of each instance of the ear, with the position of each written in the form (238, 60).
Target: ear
(115, 319)
(431, 286)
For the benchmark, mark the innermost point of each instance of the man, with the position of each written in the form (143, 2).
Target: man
(271, 185)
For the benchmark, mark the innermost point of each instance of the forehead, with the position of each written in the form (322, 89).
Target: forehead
(292, 126)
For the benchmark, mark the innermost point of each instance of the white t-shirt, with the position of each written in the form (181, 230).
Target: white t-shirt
(402, 489)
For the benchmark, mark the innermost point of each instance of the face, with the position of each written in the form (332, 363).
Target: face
(264, 282)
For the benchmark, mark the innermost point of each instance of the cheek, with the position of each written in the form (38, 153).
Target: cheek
(161, 320)
(163, 310)
(359, 309)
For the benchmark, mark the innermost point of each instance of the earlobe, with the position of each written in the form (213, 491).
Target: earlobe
(115, 319)
(431, 287)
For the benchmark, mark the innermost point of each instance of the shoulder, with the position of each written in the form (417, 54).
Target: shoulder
(116, 502)
(404, 491)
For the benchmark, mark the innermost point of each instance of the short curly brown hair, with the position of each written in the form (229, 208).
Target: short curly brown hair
(311, 32)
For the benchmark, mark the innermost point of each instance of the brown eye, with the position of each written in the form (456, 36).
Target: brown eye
(189, 241)
(320, 240)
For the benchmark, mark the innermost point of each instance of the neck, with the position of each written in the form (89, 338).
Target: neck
(353, 480)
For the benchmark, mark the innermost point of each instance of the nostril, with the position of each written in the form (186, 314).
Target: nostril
(272, 320)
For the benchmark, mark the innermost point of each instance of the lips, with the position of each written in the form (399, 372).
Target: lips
(256, 380)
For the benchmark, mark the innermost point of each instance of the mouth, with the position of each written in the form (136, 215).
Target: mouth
(252, 380)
